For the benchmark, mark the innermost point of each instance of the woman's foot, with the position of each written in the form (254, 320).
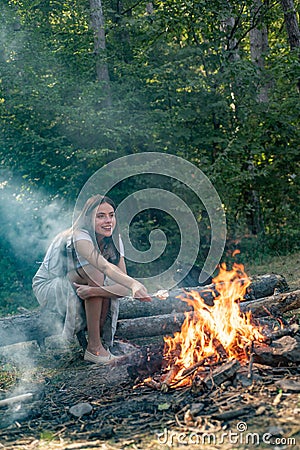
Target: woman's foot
(99, 359)
(97, 350)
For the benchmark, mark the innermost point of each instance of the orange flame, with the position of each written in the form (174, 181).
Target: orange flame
(213, 332)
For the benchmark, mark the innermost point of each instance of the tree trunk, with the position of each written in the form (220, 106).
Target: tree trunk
(121, 33)
(98, 26)
(228, 27)
(258, 47)
(291, 23)
(292, 27)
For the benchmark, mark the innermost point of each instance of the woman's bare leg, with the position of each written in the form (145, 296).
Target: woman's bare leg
(104, 311)
(95, 307)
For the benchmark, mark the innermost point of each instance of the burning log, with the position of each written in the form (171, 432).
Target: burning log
(219, 348)
(170, 323)
(217, 376)
(276, 304)
(287, 331)
(221, 374)
(283, 351)
(260, 287)
(149, 326)
(145, 362)
(197, 371)
(211, 332)
(265, 285)
(167, 378)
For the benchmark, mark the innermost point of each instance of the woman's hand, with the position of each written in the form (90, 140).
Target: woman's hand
(140, 292)
(84, 291)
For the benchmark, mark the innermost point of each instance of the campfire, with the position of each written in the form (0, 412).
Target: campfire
(212, 333)
(216, 338)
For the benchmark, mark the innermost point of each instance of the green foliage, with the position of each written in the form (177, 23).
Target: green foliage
(181, 81)
(15, 290)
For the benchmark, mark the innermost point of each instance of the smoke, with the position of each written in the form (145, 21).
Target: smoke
(30, 220)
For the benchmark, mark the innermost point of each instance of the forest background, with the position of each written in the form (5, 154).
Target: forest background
(85, 82)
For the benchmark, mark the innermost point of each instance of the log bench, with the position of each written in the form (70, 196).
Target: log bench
(156, 318)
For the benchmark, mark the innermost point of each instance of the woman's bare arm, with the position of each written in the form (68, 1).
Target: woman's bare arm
(114, 291)
(87, 250)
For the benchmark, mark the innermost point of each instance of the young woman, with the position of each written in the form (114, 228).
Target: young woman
(92, 261)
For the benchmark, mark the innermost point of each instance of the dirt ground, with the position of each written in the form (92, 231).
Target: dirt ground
(261, 413)
(125, 417)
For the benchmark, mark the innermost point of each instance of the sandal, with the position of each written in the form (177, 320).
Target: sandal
(98, 359)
